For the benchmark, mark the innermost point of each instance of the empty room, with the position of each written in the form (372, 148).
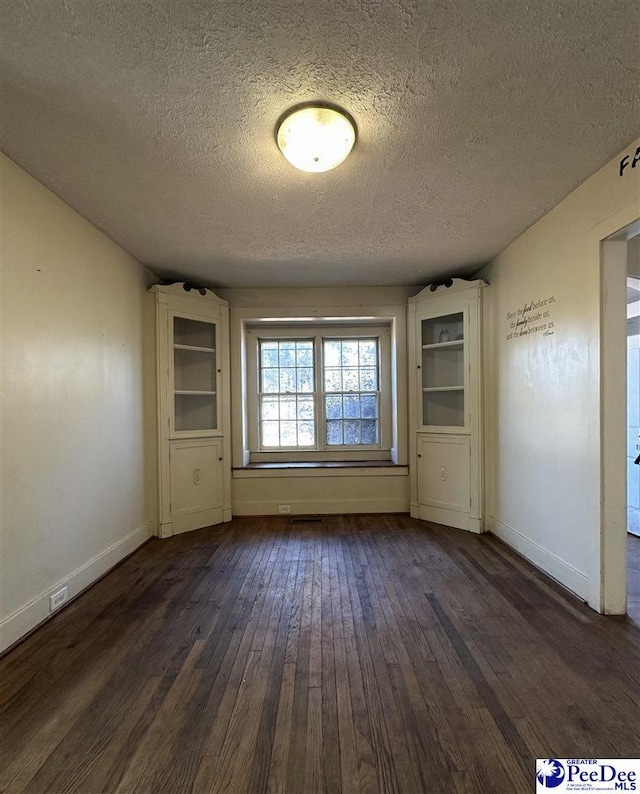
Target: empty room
(319, 396)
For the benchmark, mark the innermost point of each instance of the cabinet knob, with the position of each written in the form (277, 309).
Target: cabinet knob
(219, 458)
(419, 455)
(418, 366)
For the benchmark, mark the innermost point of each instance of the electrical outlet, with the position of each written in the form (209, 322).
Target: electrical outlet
(57, 599)
(284, 509)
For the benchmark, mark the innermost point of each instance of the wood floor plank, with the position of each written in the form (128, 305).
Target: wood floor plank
(357, 708)
(361, 655)
(370, 665)
(223, 682)
(187, 731)
(276, 778)
(301, 646)
(262, 750)
(244, 734)
(340, 688)
(330, 761)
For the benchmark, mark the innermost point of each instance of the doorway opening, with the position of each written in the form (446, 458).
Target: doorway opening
(633, 428)
(620, 423)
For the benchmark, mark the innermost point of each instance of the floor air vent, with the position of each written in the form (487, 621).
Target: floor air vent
(307, 520)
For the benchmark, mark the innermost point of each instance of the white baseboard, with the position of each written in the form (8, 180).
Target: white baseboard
(316, 506)
(25, 619)
(561, 571)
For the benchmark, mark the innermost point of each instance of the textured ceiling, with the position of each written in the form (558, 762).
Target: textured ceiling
(155, 120)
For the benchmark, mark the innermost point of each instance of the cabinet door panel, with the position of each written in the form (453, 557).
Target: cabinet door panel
(442, 362)
(194, 380)
(444, 477)
(196, 483)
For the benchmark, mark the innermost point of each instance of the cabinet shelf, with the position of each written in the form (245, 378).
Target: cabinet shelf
(193, 391)
(196, 348)
(442, 388)
(435, 345)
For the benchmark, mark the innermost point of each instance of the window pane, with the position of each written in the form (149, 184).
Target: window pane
(333, 380)
(288, 407)
(305, 379)
(369, 431)
(334, 406)
(269, 381)
(306, 434)
(332, 354)
(350, 356)
(351, 431)
(304, 354)
(269, 408)
(352, 406)
(270, 434)
(305, 408)
(334, 432)
(368, 379)
(287, 380)
(369, 406)
(287, 354)
(288, 434)
(269, 354)
(368, 353)
(350, 380)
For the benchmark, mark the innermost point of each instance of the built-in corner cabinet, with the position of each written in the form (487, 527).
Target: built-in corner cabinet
(445, 404)
(192, 342)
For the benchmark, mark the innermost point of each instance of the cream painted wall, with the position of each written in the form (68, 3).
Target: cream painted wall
(542, 400)
(327, 491)
(75, 492)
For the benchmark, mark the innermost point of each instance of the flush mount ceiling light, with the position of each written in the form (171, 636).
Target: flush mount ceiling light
(316, 137)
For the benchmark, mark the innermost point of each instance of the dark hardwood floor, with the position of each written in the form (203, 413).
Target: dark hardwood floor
(365, 654)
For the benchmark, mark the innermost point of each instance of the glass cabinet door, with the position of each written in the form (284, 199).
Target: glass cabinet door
(195, 375)
(442, 367)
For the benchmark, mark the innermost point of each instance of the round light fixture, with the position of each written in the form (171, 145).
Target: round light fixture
(316, 137)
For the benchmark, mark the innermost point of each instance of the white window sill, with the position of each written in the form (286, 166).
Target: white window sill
(376, 468)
